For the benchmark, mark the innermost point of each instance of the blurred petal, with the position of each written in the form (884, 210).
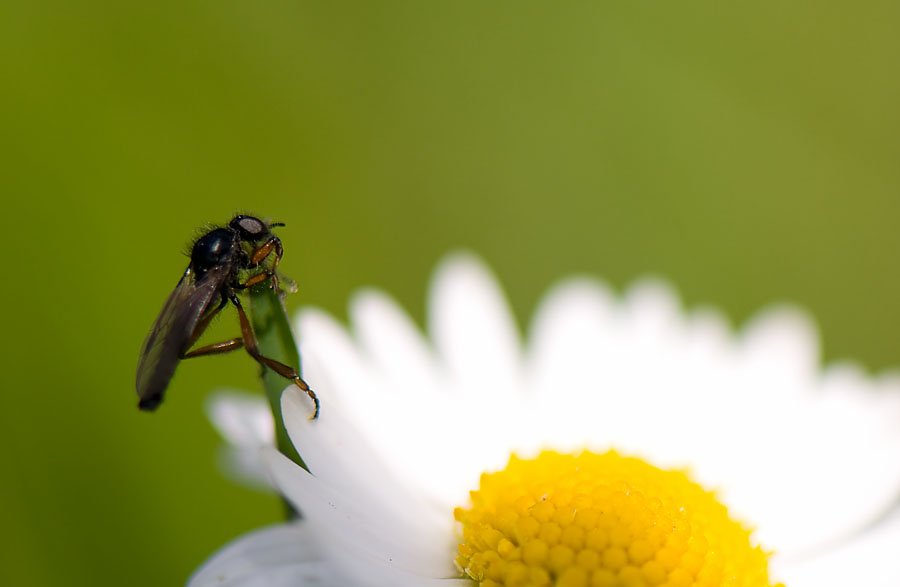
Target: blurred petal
(277, 556)
(867, 559)
(473, 331)
(780, 353)
(241, 418)
(245, 421)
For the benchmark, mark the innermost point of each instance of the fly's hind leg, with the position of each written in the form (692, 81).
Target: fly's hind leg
(286, 371)
(210, 349)
(219, 348)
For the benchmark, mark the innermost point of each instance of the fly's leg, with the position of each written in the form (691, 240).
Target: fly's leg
(254, 280)
(257, 279)
(274, 243)
(260, 254)
(219, 348)
(201, 328)
(286, 371)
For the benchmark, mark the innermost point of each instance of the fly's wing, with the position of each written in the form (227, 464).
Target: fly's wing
(172, 332)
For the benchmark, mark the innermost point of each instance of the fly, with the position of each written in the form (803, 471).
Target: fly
(210, 282)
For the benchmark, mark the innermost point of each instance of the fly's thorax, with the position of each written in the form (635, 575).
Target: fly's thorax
(212, 249)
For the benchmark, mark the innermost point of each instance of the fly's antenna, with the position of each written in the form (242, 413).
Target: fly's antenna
(276, 224)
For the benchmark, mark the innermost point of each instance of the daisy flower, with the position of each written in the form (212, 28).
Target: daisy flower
(625, 442)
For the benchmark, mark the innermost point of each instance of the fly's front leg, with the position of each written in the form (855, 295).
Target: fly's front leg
(260, 254)
(254, 280)
(285, 371)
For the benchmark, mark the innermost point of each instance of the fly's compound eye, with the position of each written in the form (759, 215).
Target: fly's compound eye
(249, 228)
(213, 248)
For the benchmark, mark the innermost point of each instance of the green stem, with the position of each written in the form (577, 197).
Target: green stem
(273, 332)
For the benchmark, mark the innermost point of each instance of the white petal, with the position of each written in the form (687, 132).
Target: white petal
(394, 345)
(343, 380)
(780, 349)
(332, 360)
(593, 384)
(241, 418)
(412, 398)
(869, 559)
(831, 458)
(278, 556)
(413, 427)
(358, 539)
(245, 467)
(572, 338)
(245, 422)
(474, 331)
(325, 341)
(338, 456)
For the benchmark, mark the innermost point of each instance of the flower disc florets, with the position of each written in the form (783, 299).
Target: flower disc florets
(602, 520)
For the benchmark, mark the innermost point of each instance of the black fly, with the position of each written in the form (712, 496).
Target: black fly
(211, 280)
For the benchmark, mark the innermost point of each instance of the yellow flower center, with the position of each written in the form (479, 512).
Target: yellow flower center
(602, 520)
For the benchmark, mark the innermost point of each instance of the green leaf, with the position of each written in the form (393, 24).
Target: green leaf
(273, 333)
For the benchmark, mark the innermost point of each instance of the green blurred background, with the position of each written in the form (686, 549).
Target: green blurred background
(747, 151)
